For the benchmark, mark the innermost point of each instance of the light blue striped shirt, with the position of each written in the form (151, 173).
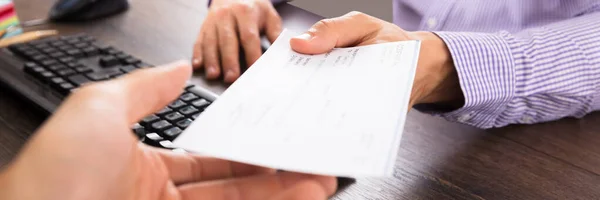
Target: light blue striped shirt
(518, 61)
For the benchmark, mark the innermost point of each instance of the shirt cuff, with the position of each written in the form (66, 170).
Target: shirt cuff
(486, 73)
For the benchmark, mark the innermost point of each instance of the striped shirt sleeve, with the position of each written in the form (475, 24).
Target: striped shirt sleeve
(536, 75)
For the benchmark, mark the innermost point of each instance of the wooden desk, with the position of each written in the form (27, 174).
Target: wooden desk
(437, 159)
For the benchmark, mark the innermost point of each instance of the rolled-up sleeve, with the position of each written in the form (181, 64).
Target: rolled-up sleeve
(536, 75)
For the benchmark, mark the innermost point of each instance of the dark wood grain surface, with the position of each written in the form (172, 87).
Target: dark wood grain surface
(437, 159)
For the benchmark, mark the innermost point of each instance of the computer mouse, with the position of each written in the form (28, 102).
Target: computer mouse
(85, 10)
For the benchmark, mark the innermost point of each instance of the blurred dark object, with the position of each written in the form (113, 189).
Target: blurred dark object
(85, 10)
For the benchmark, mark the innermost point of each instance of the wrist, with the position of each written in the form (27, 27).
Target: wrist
(436, 81)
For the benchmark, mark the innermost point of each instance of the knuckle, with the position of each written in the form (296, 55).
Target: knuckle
(324, 24)
(249, 34)
(221, 12)
(243, 8)
(356, 14)
(359, 16)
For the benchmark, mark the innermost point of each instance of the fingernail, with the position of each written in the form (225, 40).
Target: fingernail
(196, 61)
(229, 76)
(304, 36)
(211, 71)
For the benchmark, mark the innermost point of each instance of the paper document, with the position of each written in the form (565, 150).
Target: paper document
(341, 113)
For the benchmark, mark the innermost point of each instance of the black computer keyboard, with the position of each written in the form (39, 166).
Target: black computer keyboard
(45, 71)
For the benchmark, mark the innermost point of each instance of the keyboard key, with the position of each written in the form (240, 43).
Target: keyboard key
(73, 41)
(91, 51)
(66, 72)
(79, 79)
(31, 53)
(153, 139)
(74, 65)
(49, 50)
(75, 53)
(41, 46)
(46, 76)
(138, 130)
(57, 67)
(104, 74)
(172, 133)
(131, 61)
(35, 71)
(108, 61)
(128, 68)
(49, 62)
(183, 124)
(39, 58)
(57, 81)
(201, 104)
(104, 49)
(164, 111)
(177, 104)
(160, 125)
(148, 120)
(57, 54)
(83, 69)
(113, 52)
(187, 97)
(29, 65)
(188, 110)
(65, 47)
(143, 65)
(65, 88)
(189, 86)
(195, 116)
(81, 45)
(66, 60)
(58, 43)
(174, 116)
(166, 144)
(154, 136)
(122, 56)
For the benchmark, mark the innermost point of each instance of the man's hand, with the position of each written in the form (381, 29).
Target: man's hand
(436, 80)
(86, 150)
(229, 25)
